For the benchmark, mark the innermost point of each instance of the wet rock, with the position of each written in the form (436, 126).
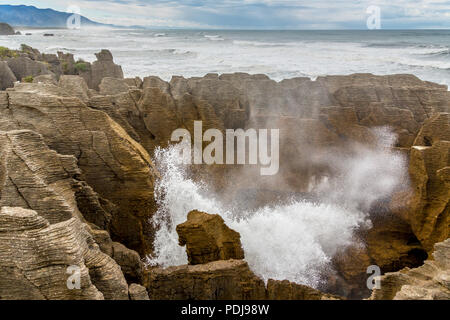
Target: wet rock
(208, 239)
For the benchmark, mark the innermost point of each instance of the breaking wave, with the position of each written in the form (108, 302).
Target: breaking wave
(295, 240)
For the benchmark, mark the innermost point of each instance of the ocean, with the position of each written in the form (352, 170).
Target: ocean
(279, 54)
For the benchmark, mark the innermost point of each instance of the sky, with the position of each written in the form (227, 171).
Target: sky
(258, 14)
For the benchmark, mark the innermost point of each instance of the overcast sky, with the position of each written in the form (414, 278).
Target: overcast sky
(258, 14)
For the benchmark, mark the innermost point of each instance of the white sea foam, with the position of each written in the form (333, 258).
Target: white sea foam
(278, 54)
(295, 240)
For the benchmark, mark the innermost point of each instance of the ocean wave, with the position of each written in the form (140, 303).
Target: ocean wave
(400, 44)
(441, 53)
(214, 37)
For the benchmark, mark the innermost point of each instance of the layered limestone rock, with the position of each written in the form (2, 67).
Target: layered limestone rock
(37, 259)
(49, 236)
(218, 280)
(428, 282)
(113, 164)
(207, 238)
(285, 290)
(24, 67)
(426, 206)
(104, 67)
(138, 292)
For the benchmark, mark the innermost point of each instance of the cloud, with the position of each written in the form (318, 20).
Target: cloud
(258, 14)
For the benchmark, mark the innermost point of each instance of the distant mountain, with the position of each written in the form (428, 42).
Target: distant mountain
(31, 16)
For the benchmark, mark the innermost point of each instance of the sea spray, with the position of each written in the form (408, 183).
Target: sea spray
(294, 241)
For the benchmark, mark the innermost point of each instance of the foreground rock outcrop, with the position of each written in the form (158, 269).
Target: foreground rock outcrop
(208, 239)
(42, 231)
(112, 163)
(428, 282)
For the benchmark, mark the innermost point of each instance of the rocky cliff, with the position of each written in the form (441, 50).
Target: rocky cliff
(77, 178)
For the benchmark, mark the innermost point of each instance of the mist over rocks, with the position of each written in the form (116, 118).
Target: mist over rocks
(78, 169)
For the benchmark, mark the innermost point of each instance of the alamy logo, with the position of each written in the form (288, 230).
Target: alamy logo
(235, 147)
(74, 279)
(74, 20)
(374, 20)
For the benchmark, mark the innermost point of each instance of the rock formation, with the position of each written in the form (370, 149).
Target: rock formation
(214, 271)
(428, 282)
(77, 179)
(6, 29)
(208, 239)
(104, 67)
(39, 215)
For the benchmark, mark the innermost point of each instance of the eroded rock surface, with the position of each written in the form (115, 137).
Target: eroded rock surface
(428, 282)
(218, 280)
(207, 238)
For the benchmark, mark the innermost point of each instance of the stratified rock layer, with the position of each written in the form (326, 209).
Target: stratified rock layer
(428, 282)
(219, 280)
(113, 164)
(208, 239)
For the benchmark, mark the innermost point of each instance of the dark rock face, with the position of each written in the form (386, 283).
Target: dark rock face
(208, 239)
(6, 30)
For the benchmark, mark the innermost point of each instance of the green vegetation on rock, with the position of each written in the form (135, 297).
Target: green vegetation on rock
(28, 79)
(7, 53)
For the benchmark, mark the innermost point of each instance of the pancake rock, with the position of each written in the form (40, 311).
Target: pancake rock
(427, 205)
(428, 282)
(42, 231)
(218, 280)
(208, 239)
(112, 163)
(138, 292)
